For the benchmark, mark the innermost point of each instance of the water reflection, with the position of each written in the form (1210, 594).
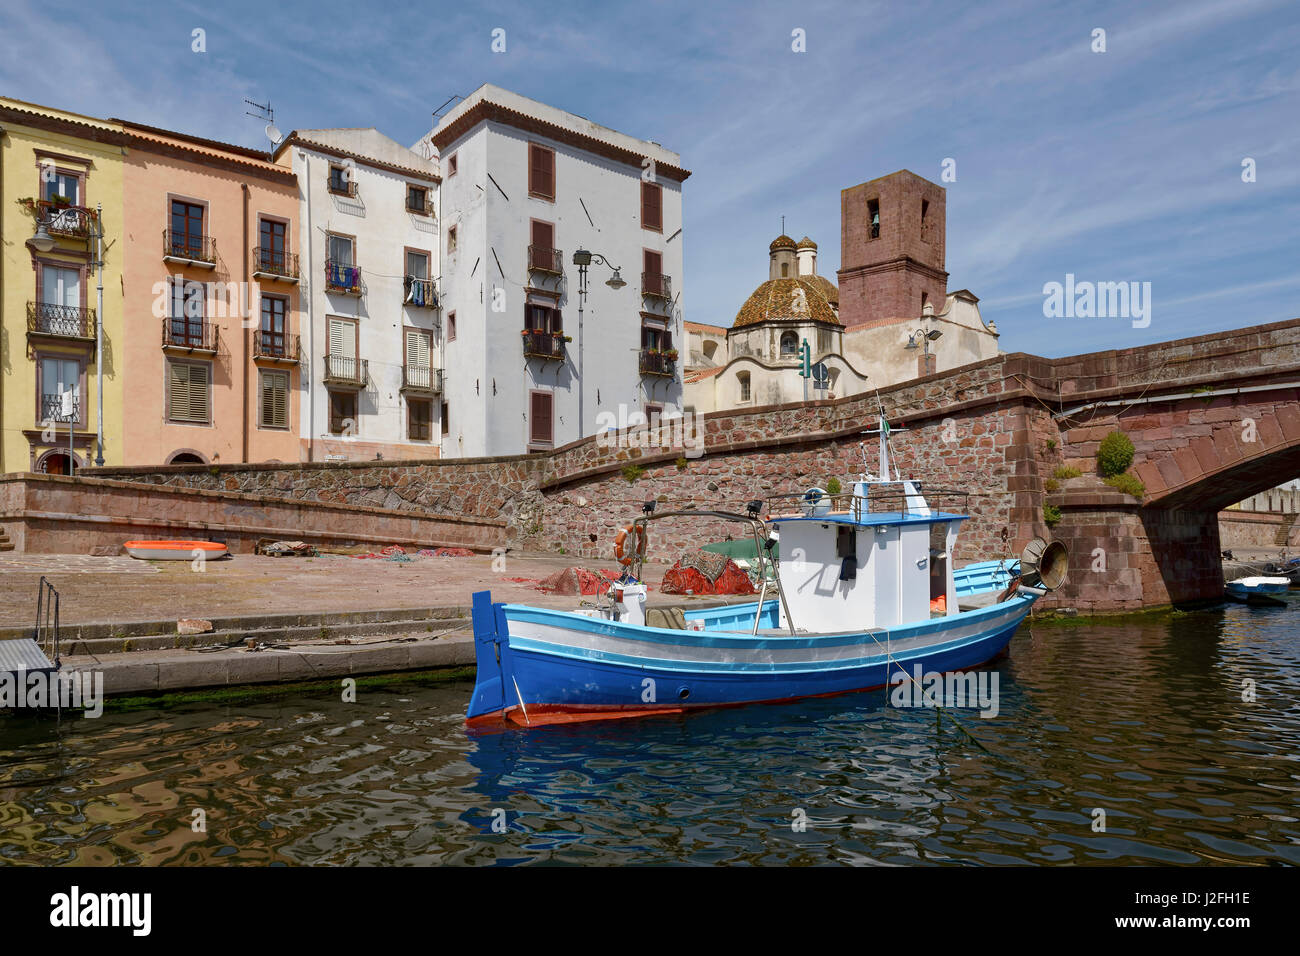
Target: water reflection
(1145, 721)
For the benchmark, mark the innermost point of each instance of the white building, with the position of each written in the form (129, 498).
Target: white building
(524, 187)
(371, 343)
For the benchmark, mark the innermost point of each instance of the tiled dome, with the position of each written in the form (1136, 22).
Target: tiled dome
(781, 242)
(777, 299)
(806, 243)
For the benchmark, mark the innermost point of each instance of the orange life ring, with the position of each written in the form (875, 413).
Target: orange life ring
(621, 538)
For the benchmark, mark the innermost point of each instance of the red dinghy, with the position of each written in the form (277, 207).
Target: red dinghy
(175, 550)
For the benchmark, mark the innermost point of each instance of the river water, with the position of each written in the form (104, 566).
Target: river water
(1144, 721)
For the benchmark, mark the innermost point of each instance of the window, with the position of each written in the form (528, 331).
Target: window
(188, 392)
(446, 418)
(652, 282)
(417, 199)
(540, 422)
(417, 265)
(451, 238)
(63, 184)
(274, 400)
(419, 359)
(188, 308)
(340, 250)
(341, 362)
(451, 326)
(789, 343)
(655, 337)
(873, 217)
(543, 318)
(825, 341)
(541, 172)
(61, 287)
(59, 375)
(340, 180)
(925, 300)
(652, 207)
(542, 253)
(653, 413)
(925, 209)
(343, 413)
(451, 165)
(743, 380)
(785, 270)
(419, 420)
(274, 325)
(416, 288)
(187, 229)
(271, 244)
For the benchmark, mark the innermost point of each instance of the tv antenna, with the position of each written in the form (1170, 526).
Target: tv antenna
(266, 112)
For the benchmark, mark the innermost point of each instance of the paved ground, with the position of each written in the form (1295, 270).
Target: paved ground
(108, 590)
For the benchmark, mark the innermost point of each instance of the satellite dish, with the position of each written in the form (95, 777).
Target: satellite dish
(273, 134)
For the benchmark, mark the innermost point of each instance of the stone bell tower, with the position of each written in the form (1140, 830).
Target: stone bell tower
(891, 250)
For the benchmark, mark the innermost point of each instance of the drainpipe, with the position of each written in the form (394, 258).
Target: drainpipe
(99, 333)
(243, 323)
(309, 315)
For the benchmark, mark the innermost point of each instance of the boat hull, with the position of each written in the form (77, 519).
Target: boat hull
(175, 550)
(538, 666)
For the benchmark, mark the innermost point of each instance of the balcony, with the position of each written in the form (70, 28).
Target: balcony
(188, 249)
(545, 259)
(659, 362)
(60, 322)
(52, 410)
(345, 371)
(419, 293)
(189, 335)
(279, 347)
(547, 345)
(342, 277)
(61, 219)
(275, 265)
(656, 285)
(421, 379)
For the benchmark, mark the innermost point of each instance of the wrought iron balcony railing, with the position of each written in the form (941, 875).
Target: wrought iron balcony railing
(656, 285)
(345, 370)
(194, 249)
(543, 344)
(342, 277)
(275, 264)
(421, 378)
(275, 346)
(52, 410)
(66, 321)
(194, 335)
(658, 362)
(546, 259)
(62, 219)
(419, 292)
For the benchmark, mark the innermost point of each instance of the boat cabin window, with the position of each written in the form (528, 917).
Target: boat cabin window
(939, 560)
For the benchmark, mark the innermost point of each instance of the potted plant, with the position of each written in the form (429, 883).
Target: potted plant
(60, 201)
(671, 355)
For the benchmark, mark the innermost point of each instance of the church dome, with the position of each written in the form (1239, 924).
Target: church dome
(781, 242)
(801, 298)
(806, 243)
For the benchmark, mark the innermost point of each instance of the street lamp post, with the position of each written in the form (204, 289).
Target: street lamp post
(922, 338)
(582, 258)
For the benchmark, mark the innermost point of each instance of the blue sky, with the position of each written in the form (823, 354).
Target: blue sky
(1115, 166)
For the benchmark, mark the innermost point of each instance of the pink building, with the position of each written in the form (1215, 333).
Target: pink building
(210, 358)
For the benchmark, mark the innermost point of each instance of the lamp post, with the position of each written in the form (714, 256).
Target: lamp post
(582, 258)
(922, 338)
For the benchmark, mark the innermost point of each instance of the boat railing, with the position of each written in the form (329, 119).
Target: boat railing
(893, 498)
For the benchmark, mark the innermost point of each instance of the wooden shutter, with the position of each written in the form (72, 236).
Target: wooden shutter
(654, 267)
(187, 392)
(543, 237)
(652, 206)
(541, 417)
(541, 171)
(417, 349)
(275, 399)
(343, 340)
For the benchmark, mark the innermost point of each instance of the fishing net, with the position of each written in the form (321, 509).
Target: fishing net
(577, 581)
(704, 572)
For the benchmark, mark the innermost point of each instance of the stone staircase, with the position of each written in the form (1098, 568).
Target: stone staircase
(1284, 530)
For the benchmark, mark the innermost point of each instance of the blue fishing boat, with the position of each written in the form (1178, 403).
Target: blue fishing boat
(1258, 590)
(864, 590)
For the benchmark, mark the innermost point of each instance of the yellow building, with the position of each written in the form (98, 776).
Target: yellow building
(60, 183)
